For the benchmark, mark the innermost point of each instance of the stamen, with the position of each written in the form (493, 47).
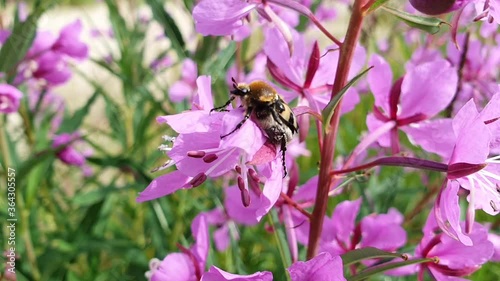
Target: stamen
(238, 169)
(196, 154)
(165, 165)
(164, 147)
(168, 138)
(222, 160)
(253, 175)
(493, 206)
(198, 179)
(209, 158)
(241, 183)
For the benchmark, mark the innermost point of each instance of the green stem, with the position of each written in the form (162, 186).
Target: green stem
(330, 136)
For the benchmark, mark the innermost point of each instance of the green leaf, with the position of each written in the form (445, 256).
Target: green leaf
(428, 24)
(170, 29)
(377, 5)
(218, 65)
(358, 255)
(18, 43)
(384, 267)
(327, 113)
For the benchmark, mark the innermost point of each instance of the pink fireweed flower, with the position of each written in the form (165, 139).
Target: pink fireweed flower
(341, 233)
(198, 152)
(476, 134)
(450, 258)
(420, 94)
(186, 86)
(323, 267)
(10, 98)
(189, 265)
(47, 59)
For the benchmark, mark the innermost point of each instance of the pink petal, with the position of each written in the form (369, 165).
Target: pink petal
(217, 274)
(344, 219)
(428, 88)
(199, 230)
(272, 189)
(175, 267)
(204, 98)
(434, 136)
(235, 209)
(447, 212)
(163, 185)
(323, 267)
(220, 17)
(383, 231)
(380, 81)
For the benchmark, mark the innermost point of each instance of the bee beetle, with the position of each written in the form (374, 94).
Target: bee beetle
(273, 116)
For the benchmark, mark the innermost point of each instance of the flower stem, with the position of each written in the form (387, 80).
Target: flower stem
(328, 150)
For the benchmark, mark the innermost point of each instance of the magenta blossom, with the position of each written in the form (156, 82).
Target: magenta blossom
(450, 258)
(342, 234)
(10, 98)
(470, 166)
(198, 152)
(422, 93)
(189, 265)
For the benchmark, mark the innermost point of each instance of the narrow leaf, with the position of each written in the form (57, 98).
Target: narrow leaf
(376, 5)
(218, 65)
(384, 267)
(358, 255)
(18, 44)
(327, 113)
(170, 29)
(428, 24)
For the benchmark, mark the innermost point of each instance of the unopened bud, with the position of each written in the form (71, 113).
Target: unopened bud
(433, 7)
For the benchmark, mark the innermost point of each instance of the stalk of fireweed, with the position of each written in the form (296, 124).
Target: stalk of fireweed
(330, 136)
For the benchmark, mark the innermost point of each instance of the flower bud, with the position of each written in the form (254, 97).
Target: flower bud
(433, 7)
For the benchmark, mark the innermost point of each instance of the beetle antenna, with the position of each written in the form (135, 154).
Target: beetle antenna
(235, 85)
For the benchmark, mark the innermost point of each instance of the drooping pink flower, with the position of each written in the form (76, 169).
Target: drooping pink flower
(189, 265)
(470, 167)
(450, 258)
(10, 98)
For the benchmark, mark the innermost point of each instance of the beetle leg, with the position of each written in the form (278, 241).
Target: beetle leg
(247, 115)
(223, 108)
(283, 150)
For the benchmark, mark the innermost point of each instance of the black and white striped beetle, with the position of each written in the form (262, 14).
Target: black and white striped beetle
(273, 116)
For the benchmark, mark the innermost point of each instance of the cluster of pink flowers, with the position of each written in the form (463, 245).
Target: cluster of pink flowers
(47, 65)
(459, 84)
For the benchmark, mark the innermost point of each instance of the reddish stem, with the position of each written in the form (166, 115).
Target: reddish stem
(294, 204)
(330, 136)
